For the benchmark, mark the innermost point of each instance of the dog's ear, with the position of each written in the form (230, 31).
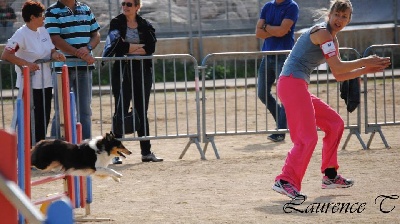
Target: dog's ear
(109, 136)
(112, 134)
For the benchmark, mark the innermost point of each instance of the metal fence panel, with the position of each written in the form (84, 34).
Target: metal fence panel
(173, 109)
(385, 82)
(229, 87)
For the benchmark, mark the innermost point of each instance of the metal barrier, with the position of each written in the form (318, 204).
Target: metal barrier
(228, 88)
(173, 111)
(235, 98)
(8, 94)
(386, 83)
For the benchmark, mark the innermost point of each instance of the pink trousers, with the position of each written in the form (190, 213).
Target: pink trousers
(305, 112)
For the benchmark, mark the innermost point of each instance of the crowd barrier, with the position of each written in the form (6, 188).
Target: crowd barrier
(236, 98)
(174, 107)
(385, 83)
(228, 83)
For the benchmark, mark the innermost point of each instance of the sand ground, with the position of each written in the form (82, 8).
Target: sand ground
(237, 187)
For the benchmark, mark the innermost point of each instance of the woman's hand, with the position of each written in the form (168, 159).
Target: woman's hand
(58, 56)
(374, 61)
(32, 66)
(376, 64)
(136, 48)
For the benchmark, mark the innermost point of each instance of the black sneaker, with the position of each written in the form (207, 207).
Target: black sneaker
(116, 160)
(276, 137)
(151, 158)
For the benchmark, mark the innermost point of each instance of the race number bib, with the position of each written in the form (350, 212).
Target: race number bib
(329, 50)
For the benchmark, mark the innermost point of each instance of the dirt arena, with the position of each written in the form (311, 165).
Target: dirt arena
(237, 187)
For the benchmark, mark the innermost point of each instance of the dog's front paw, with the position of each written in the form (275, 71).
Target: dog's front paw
(119, 175)
(117, 179)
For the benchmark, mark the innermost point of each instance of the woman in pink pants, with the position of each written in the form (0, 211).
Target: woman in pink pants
(305, 112)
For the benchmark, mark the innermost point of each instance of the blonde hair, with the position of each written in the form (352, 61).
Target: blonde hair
(341, 6)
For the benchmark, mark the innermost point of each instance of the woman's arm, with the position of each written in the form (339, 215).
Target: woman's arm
(136, 49)
(349, 75)
(344, 70)
(55, 55)
(12, 58)
(148, 38)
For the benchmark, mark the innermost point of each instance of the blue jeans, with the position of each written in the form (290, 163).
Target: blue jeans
(80, 82)
(266, 78)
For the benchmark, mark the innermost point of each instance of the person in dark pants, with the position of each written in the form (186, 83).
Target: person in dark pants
(131, 34)
(276, 27)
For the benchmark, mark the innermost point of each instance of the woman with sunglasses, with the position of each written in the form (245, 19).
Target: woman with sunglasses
(131, 34)
(28, 44)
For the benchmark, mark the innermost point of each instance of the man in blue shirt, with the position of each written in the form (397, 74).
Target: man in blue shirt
(74, 31)
(276, 26)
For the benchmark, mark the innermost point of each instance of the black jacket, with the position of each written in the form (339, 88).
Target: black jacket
(115, 46)
(350, 92)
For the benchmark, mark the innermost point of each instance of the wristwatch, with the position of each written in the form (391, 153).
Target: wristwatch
(264, 27)
(89, 47)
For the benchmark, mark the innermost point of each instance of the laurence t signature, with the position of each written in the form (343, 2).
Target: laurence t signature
(382, 201)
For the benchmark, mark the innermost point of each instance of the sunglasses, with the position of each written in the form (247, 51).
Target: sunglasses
(128, 4)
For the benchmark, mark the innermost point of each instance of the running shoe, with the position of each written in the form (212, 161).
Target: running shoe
(338, 182)
(288, 190)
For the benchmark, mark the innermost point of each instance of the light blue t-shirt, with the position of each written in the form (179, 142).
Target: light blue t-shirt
(75, 27)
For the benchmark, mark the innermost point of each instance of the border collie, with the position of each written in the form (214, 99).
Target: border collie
(89, 157)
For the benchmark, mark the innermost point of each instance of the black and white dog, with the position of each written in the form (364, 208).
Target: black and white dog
(90, 157)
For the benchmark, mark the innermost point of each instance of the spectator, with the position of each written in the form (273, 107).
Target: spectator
(75, 32)
(305, 112)
(29, 43)
(276, 26)
(131, 34)
(7, 19)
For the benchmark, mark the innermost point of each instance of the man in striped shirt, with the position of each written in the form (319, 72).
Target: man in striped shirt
(75, 32)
